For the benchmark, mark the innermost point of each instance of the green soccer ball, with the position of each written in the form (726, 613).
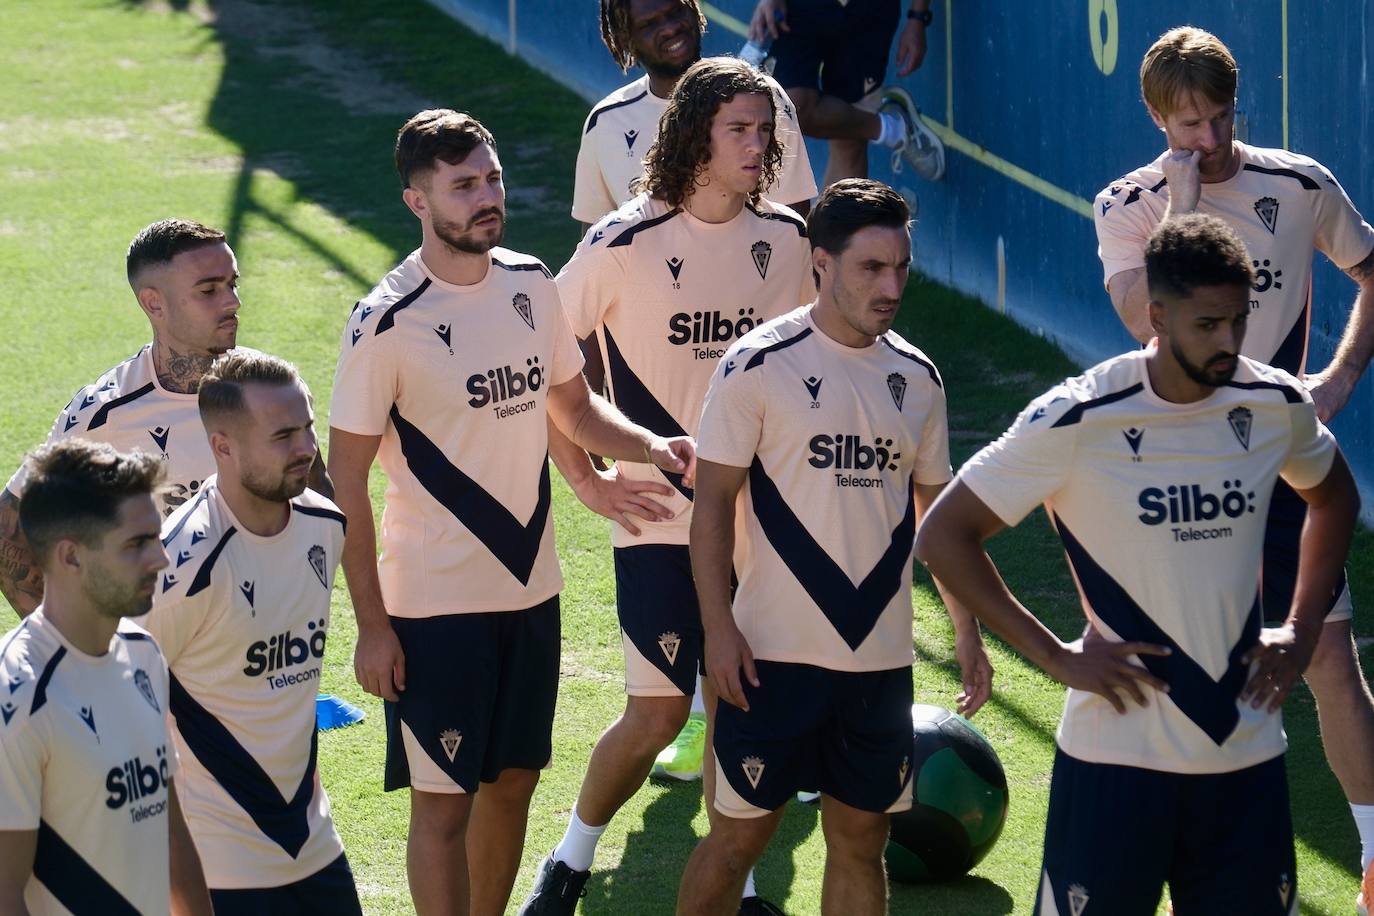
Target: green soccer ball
(959, 800)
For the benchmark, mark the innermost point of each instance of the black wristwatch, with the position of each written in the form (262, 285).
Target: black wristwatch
(922, 16)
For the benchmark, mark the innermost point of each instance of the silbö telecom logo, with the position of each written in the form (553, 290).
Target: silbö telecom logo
(1183, 505)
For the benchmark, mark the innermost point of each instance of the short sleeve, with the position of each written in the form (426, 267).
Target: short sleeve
(1122, 232)
(795, 182)
(567, 356)
(592, 199)
(590, 282)
(1312, 450)
(175, 620)
(365, 383)
(932, 451)
(1342, 233)
(21, 777)
(1027, 464)
(732, 414)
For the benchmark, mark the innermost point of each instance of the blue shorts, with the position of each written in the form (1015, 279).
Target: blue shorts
(1115, 835)
(839, 50)
(479, 698)
(660, 622)
(846, 734)
(328, 892)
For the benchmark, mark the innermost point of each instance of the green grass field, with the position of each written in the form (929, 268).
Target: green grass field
(274, 121)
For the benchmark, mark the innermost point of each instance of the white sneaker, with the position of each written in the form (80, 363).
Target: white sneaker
(921, 147)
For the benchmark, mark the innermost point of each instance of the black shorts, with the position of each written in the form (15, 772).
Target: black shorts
(328, 892)
(1282, 538)
(838, 50)
(846, 734)
(660, 622)
(479, 698)
(1116, 834)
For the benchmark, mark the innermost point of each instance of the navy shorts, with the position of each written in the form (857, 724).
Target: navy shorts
(846, 734)
(1282, 537)
(328, 892)
(660, 622)
(479, 698)
(840, 50)
(1115, 835)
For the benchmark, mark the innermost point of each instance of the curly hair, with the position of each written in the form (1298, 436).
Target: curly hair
(615, 29)
(682, 150)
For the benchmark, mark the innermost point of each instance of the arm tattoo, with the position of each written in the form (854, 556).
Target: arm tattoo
(20, 579)
(1363, 272)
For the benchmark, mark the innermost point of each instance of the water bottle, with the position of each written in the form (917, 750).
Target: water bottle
(754, 53)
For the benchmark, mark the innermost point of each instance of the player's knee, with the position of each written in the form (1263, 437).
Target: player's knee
(656, 720)
(439, 817)
(861, 835)
(805, 104)
(513, 786)
(738, 842)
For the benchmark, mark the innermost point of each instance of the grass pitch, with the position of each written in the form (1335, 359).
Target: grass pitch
(274, 121)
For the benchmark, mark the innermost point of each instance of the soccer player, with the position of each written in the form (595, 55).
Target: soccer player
(89, 820)
(242, 617)
(451, 368)
(1284, 206)
(663, 36)
(185, 278)
(823, 440)
(1157, 469)
(665, 285)
(831, 55)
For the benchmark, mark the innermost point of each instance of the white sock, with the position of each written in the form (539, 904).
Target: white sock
(893, 131)
(578, 848)
(749, 889)
(1364, 823)
(698, 702)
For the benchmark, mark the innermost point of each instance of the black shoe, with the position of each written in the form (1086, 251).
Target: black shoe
(757, 906)
(557, 890)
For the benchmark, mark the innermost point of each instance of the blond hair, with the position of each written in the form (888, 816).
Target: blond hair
(1183, 62)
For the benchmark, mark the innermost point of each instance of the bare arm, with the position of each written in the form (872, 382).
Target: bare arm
(606, 492)
(974, 665)
(1331, 388)
(17, 849)
(950, 544)
(1333, 507)
(713, 552)
(378, 662)
(319, 477)
(189, 894)
(1131, 299)
(20, 579)
(594, 424)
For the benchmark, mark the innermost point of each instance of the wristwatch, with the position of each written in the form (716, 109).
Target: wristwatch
(922, 16)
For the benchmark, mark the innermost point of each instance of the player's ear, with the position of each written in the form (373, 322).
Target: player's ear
(1157, 317)
(153, 303)
(415, 200)
(820, 261)
(65, 556)
(1155, 115)
(220, 446)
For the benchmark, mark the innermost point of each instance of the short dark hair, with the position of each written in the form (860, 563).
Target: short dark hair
(852, 204)
(221, 388)
(615, 29)
(437, 133)
(163, 240)
(75, 488)
(682, 149)
(1193, 250)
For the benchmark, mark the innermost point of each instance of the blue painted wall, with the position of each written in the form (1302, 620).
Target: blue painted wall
(1038, 106)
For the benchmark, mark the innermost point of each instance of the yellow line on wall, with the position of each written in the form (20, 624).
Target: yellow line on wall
(725, 20)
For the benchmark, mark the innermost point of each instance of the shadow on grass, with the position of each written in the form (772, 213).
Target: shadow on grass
(969, 894)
